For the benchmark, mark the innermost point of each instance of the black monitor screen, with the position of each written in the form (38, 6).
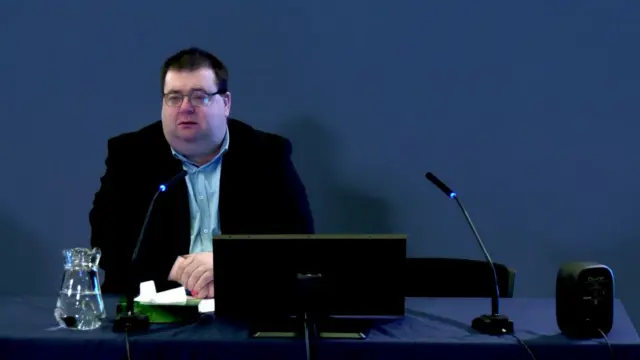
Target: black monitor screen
(358, 276)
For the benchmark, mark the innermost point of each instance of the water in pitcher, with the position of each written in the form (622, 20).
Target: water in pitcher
(80, 305)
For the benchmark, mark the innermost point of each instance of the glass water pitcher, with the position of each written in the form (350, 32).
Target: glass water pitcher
(80, 305)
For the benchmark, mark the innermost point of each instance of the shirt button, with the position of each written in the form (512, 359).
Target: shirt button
(206, 231)
(201, 197)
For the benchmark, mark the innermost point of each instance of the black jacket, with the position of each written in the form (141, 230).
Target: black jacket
(260, 193)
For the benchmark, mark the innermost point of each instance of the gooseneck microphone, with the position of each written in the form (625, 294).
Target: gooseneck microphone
(494, 323)
(129, 320)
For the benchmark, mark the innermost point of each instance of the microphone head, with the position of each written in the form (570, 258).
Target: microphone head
(178, 177)
(444, 188)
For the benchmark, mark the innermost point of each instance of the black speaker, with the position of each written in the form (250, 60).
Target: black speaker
(585, 293)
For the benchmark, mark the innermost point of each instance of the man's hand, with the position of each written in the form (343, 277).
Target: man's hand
(195, 273)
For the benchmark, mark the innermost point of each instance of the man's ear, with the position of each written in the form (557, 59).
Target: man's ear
(226, 98)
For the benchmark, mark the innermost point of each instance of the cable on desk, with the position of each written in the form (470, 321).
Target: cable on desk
(606, 339)
(533, 357)
(310, 354)
(307, 345)
(126, 343)
(604, 336)
(525, 347)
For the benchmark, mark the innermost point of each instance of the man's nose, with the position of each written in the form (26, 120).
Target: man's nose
(186, 106)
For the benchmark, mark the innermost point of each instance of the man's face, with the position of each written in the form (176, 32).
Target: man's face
(193, 121)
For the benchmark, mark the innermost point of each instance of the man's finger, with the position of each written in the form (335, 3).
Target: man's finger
(191, 284)
(176, 269)
(188, 270)
(207, 291)
(182, 266)
(201, 285)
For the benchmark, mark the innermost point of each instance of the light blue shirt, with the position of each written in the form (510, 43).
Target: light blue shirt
(203, 183)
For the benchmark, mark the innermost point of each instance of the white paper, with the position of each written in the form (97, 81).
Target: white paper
(147, 291)
(148, 294)
(177, 296)
(207, 305)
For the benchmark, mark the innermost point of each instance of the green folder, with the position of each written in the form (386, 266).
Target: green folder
(165, 314)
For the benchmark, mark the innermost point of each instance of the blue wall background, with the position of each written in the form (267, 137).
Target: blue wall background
(528, 109)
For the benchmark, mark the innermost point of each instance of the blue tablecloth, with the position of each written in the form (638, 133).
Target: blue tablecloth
(432, 329)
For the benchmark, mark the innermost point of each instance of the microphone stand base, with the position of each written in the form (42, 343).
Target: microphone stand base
(493, 325)
(131, 323)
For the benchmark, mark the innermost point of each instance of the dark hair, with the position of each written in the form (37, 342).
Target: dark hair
(193, 59)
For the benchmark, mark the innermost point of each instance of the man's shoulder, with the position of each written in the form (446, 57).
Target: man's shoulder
(145, 137)
(252, 141)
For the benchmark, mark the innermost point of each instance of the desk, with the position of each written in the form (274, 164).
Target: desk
(433, 329)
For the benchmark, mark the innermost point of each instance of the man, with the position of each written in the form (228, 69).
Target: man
(239, 181)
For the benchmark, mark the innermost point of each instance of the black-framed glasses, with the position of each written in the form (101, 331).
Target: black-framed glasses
(196, 98)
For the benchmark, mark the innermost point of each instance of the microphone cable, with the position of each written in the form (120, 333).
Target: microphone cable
(309, 337)
(126, 343)
(606, 339)
(524, 345)
(595, 328)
